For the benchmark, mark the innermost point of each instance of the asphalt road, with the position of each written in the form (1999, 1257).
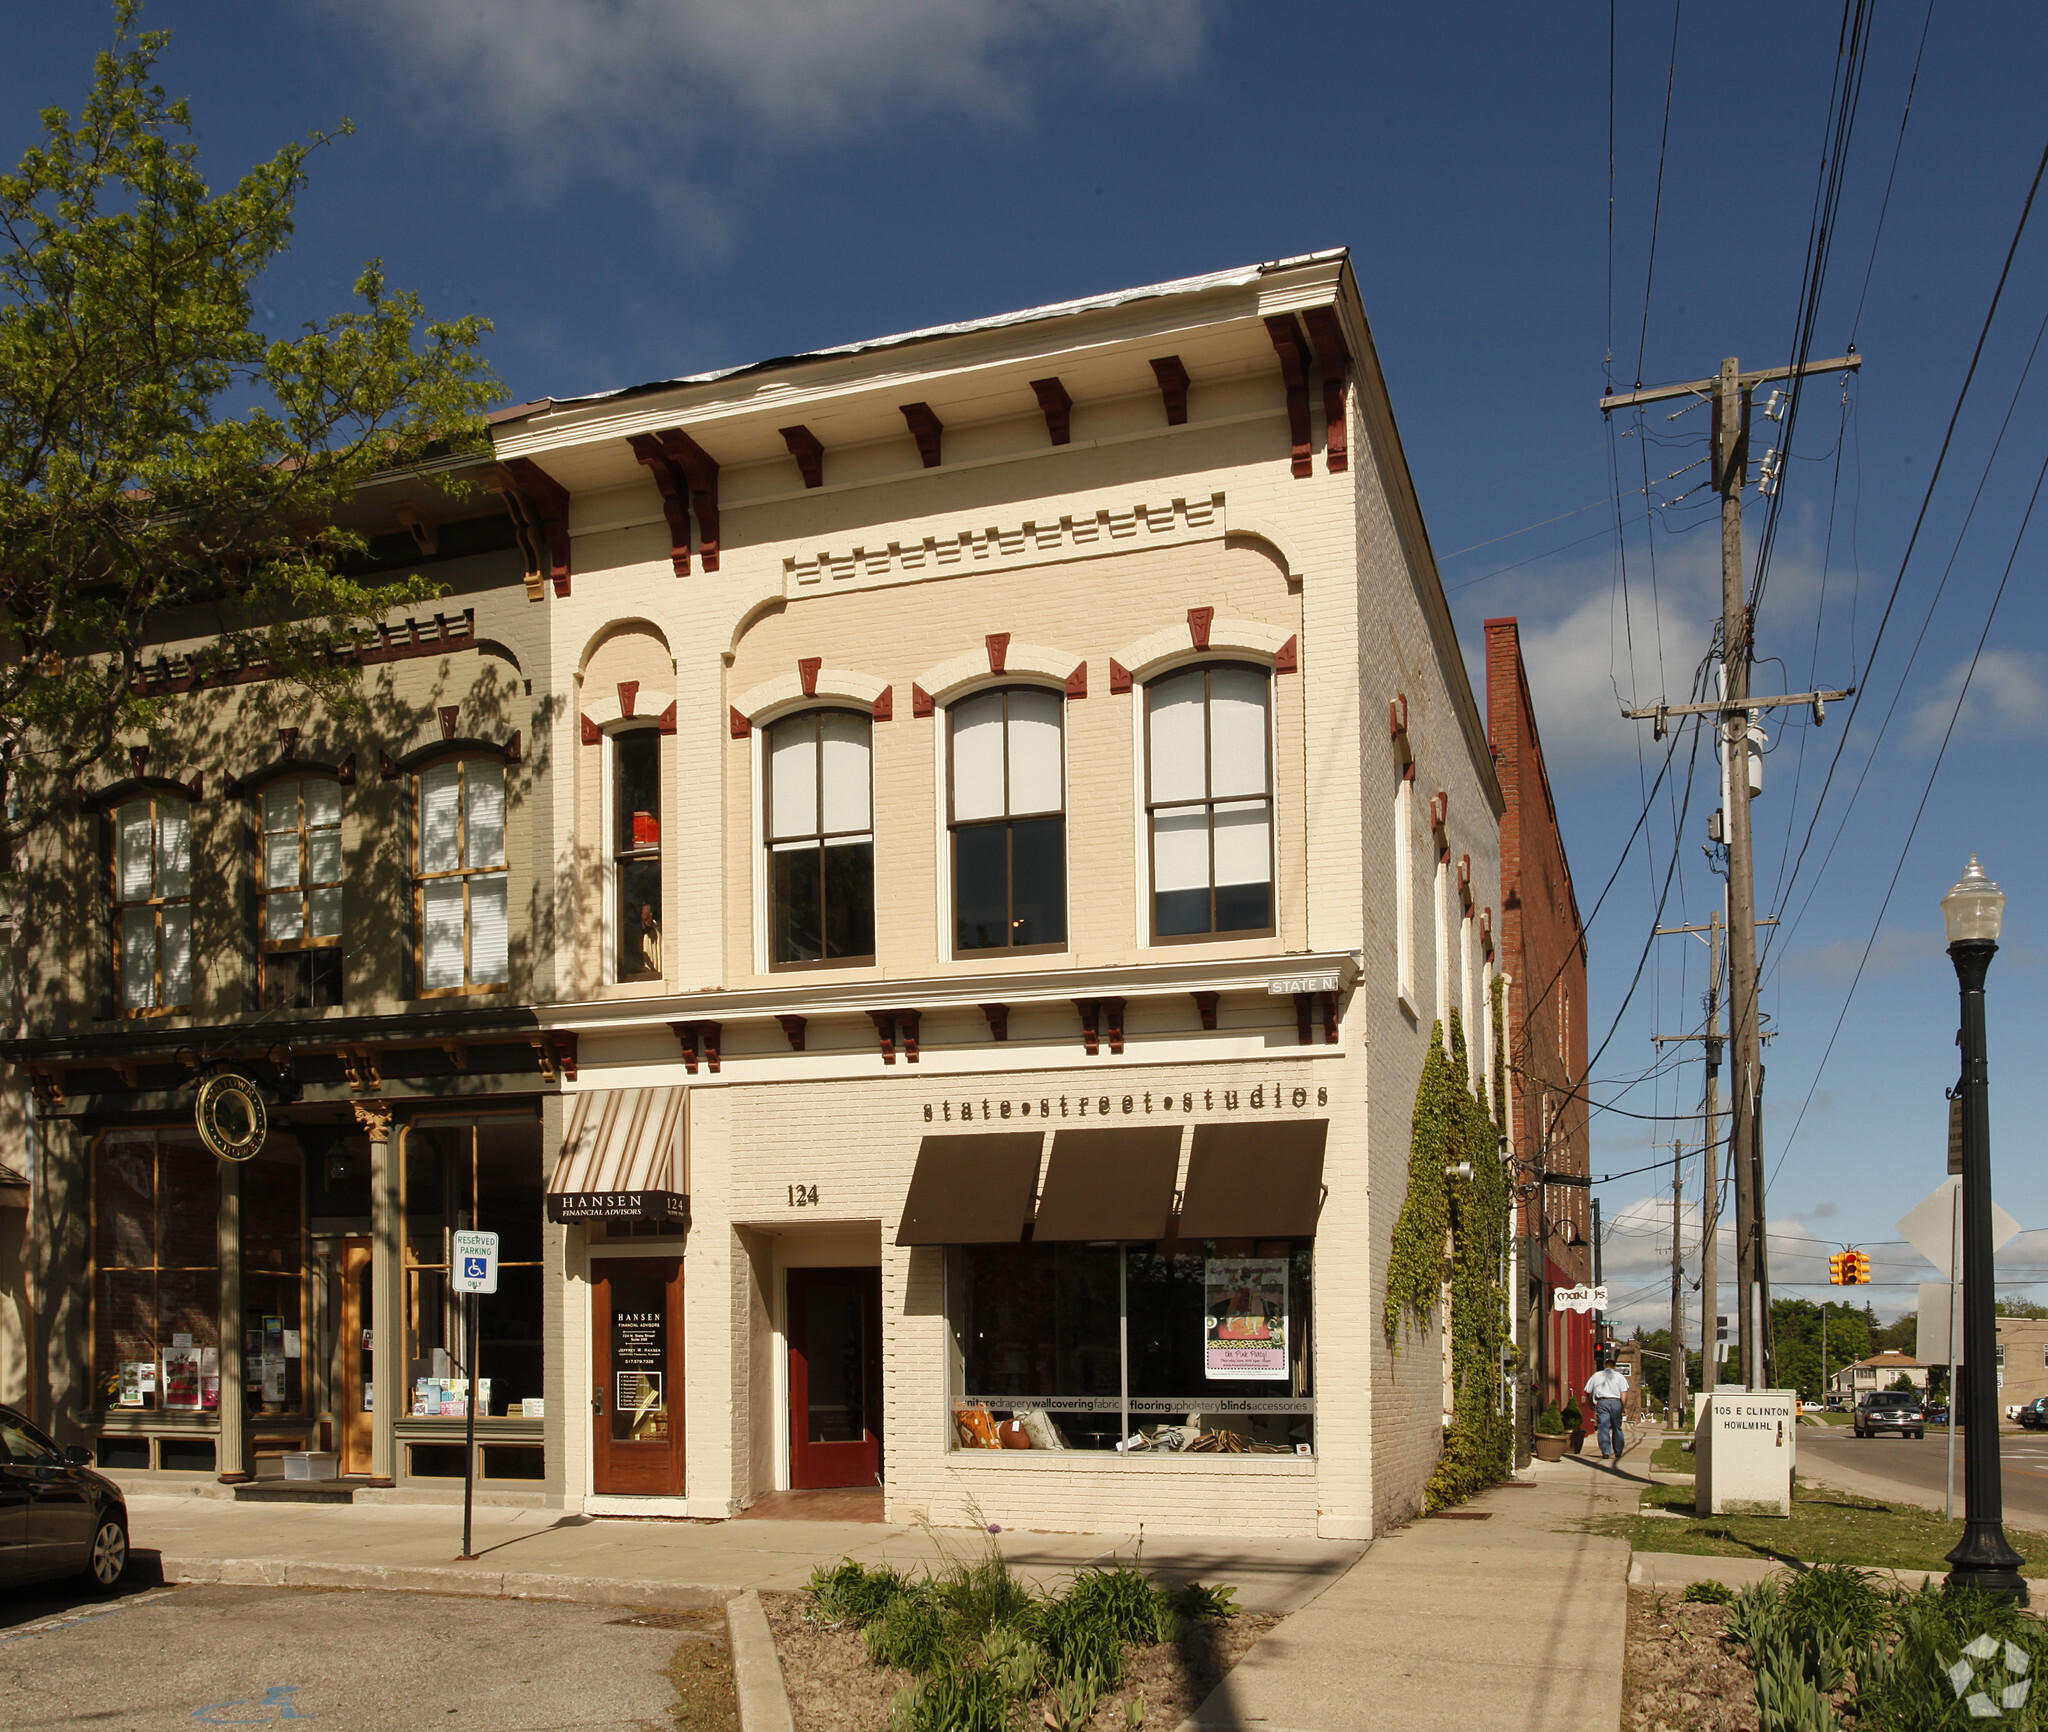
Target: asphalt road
(161, 1657)
(1918, 1467)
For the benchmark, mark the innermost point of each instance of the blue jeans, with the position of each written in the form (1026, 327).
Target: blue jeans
(1610, 1426)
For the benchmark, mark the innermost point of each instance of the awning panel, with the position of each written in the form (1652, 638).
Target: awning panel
(1109, 1184)
(622, 1156)
(971, 1190)
(1255, 1181)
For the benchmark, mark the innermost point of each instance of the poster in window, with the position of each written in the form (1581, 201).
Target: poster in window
(1244, 1318)
(138, 1380)
(639, 1366)
(181, 1378)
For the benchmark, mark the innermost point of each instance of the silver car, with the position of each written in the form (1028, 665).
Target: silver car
(57, 1516)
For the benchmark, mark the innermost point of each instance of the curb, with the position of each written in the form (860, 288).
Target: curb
(756, 1670)
(430, 1579)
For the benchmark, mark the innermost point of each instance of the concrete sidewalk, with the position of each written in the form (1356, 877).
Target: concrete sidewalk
(680, 1563)
(1511, 1624)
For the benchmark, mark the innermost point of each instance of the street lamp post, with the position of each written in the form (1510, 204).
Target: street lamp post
(1972, 912)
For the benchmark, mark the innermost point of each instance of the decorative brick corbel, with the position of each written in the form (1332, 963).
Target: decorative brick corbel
(699, 1041)
(885, 1031)
(138, 760)
(1439, 809)
(1287, 658)
(1173, 388)
(629, 691)
(1058, 407)
(1113, 1022)
(667, 723)
(387, 766)
(450, 717)
(546, 514)
(998, 1020)
(1199, 621)
(906, 1030)
(515, 752)
(793, 1031)
(1329, 1018)
(345, 774)
(883, 709)
(925, 428)
(1333, 359)
(998, 650)
(675, 497)
(287, 743)
(592, 733)
(809, 454)
(196, 788)
(738, 724)
(1486, 930)
(1293, 353)
(1304, 1018)
(1119, 677)
(700, 470)
(1091, 1024)
(565, 1051)
(1205, 1007)
(1077, 682)
(1465, 882)
(807, 674)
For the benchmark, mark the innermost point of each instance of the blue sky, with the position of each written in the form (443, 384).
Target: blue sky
(635, 189)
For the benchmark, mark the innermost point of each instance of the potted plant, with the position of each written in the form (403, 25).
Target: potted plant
(1550, 1437)
(1575, 1425)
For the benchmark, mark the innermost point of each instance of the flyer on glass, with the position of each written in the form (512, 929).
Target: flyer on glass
(181, 1377)
(1244, 1320)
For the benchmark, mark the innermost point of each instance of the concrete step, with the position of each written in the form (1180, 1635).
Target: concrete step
(295, 1491)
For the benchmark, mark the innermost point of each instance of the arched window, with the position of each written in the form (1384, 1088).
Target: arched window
(821, 843)
(1209, 800)
(299, 867)
(460, 884)
(636, 852)
(153, 901)
(1008, 817)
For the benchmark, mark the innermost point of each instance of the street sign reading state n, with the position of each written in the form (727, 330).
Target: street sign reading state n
(473, 1262)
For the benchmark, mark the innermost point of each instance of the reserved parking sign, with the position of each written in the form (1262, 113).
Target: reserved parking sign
(473, 1260)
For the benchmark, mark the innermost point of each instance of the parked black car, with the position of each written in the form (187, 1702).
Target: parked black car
(1891, 1410)
(2034, 1415)
(57, 1516)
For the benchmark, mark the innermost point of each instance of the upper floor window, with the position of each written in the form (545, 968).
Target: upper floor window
(300, 867)
(821, 843)
(1209, 800)
(153, 901)
(636, 852)
(1008, 821)
(461, 883)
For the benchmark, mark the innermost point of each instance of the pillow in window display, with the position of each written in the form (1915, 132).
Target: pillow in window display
(1040, 1426)
(1013, 1434)
(975, 1427)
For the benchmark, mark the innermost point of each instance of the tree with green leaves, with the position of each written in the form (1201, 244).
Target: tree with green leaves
(166, 470)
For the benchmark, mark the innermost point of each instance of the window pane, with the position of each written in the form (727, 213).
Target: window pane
(1038, 881)
(174, 848)
(440, 811)
(124, 1203)
(485, 844)
(281, 860)
(284, 916)
(850, 899)
(323, 850)
(489, 962)
(432, 1155)
(978, 757)
(636, 789)
(794, 873)
(844, 770)
(1175, 709)
(188, 1208)
(178, 953)
(511, 1177)
(323, 803)
(138, 958)
(1244, 853)
(1180, 850)
(327, 912)
(1237, 732)
(137, 869)
(793, 778)
(1034, 751)
(981, 903)
(1040, 1322)
(441, 934)
(281, 807)
(639, 918)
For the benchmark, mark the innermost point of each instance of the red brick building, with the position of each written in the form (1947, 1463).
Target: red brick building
(1543, 954)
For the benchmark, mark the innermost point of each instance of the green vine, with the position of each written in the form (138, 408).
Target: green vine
(1452, 1125)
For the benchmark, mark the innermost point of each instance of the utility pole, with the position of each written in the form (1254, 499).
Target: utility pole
(1674, 1398)
(1710, 1153)
(1730, 392)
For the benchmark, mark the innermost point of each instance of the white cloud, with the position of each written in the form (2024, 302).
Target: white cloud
(2008, 698)
(1895, 951)
(614, 79)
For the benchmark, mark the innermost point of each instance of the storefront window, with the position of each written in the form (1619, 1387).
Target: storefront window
(274, 1281)
(483, 1174)
(156, 1273)
(1182, 1347)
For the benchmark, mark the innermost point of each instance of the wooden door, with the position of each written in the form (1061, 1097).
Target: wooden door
(637, 1342)
(358, 1326)
(835, 1377)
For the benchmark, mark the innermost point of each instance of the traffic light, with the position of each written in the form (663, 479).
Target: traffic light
(1859, 1273)
(1838, 1270)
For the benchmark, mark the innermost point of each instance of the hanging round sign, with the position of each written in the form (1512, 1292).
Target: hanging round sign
(231, 1118)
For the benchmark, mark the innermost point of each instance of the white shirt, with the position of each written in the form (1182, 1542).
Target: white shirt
(1608, 1385)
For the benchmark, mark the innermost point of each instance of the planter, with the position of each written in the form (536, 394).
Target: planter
(1549, 1446)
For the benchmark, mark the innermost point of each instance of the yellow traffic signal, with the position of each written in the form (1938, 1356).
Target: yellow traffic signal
(1860, 1276)
(1838, 1269)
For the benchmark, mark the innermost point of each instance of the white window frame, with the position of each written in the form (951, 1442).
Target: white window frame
(162, 905)
(607, 792)
(467, 875)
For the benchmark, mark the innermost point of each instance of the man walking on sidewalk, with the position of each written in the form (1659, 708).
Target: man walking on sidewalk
(1605, 1389)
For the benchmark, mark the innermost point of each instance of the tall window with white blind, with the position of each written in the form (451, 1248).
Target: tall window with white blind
(1008, 819)
(1209, 801)
(153, 902)
(299, 865)
(1404, 886)
(461, 883)
(821, 842)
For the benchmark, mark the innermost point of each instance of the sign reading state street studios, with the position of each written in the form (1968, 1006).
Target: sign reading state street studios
(665, 1206)
(1275, 1097)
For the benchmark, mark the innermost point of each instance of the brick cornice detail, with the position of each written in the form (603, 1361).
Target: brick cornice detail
(1293, 352)
(925, 428)
(1199, 621)
(1119, 677)
(883, 709)
(739, 724)
(1077, 682)
(1058, 407)
(807, 674)
(998, 648)
(540, 518)
(675, 497)
(809, 454)
(1173, 388)
(920, 701)
(1333, 360)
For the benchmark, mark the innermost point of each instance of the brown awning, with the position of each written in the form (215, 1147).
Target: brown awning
(623, 1155)
(971, 1190)
(1256, 1181)
(1109, 1184)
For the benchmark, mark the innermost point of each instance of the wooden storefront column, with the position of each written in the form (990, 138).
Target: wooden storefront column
(387, 1296)
(231, 1453)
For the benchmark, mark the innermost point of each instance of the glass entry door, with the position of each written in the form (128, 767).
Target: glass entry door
(358, 1327)
(637, 1405)
(835, 1377)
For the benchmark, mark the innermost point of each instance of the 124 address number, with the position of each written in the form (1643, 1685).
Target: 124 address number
(803, 1196)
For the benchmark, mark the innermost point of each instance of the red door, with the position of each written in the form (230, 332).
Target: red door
(835, 1377)
(637, 1341)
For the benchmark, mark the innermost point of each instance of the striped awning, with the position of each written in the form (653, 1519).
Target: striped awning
(624, 1155)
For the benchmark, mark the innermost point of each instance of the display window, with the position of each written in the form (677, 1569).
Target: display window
(273, 1223)
(1162, 1348)
(484, 1174)
(155, 1273)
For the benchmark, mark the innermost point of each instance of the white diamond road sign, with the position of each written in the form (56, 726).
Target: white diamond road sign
(1931, 1229)
(473, 1259)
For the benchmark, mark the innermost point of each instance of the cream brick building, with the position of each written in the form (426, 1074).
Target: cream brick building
(990, 818)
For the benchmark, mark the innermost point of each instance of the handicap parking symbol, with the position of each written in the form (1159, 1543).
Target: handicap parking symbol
(475, 1268)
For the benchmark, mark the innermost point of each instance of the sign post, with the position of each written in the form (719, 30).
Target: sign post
(473, 1269)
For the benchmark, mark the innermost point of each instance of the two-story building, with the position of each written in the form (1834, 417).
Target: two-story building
(911, 884)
